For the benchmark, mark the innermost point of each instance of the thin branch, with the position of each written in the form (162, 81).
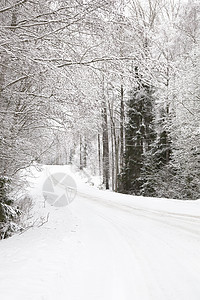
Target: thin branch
(101, 59)
(15, 81)
(12, 6)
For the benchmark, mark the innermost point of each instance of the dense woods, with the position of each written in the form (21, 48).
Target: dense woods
(111, 86)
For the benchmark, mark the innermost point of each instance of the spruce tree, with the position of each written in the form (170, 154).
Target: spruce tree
(139, 134)
(155, 165)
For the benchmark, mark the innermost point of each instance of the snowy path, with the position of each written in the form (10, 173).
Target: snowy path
(106, 246)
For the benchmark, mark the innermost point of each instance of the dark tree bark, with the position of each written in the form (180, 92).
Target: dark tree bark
(99, 153)
(85, 153)
(81, 158)
(105, 147)
(122, 129)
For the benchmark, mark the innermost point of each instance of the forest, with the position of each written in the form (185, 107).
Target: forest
(111, 86)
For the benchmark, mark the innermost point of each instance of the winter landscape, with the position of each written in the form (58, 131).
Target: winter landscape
(99, 150)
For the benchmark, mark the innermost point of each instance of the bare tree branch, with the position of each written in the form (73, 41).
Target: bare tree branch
(12, 6)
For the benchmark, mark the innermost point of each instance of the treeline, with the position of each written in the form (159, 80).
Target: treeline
(149, 143)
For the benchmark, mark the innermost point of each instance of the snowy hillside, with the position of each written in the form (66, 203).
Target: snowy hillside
(104, 246)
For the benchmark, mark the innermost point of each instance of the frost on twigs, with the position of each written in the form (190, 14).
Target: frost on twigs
(28, 219)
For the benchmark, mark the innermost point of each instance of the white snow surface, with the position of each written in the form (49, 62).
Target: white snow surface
(104, 246)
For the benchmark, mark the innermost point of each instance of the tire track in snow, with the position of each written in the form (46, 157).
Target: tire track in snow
(154, 215)
(144, 258)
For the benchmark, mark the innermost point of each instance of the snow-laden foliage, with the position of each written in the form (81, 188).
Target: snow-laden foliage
(9, 213)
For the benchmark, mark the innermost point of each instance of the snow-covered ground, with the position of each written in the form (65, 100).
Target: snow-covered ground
(104, 246)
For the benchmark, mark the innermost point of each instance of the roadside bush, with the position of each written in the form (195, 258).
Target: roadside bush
(9, 212)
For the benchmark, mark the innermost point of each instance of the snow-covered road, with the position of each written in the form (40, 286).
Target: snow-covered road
(106, 246)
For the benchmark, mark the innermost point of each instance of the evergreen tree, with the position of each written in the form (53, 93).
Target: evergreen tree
(154, 169)
(139, 134)
(157, 157)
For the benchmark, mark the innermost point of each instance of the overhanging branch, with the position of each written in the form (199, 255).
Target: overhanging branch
(95, 60)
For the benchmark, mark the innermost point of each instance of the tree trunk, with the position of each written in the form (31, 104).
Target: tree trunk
(122, 129)
(85, 154)
(105, 148)
(99, 153)
(113, 160)
(81, 159)
(116, 161)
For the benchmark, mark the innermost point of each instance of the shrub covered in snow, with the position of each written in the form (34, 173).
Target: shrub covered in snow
(9, 212)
